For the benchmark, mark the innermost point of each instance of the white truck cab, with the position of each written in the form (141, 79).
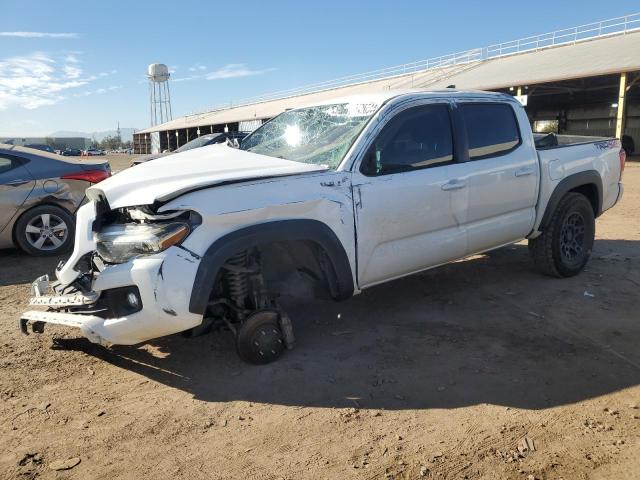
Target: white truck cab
(346, 194)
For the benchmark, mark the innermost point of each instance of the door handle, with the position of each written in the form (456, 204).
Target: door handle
(16, 183)
(454, 185)
(523, 172)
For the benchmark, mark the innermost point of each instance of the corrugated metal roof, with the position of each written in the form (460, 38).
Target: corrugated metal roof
(585, 59)
(588, 58)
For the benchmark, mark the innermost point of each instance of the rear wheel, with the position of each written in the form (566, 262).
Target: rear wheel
(564, 247)
(45, 230)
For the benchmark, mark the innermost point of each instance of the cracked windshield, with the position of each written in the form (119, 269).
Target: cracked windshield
(319, 135)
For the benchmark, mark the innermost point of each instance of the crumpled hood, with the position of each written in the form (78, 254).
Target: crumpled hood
(170, 176)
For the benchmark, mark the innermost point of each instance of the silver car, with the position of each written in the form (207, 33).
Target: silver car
(39, 195)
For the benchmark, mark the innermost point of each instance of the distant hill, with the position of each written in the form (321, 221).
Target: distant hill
(126, 133)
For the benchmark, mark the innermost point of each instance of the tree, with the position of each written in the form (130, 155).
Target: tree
(111, 143)
(50, 141)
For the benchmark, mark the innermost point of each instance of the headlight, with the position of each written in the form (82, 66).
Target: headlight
(119, 243)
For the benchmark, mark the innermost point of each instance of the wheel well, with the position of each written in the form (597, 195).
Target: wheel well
(587, 183)
(297, 268)
(43, 204)
(590, 191)
(305, 240)
(305, 261)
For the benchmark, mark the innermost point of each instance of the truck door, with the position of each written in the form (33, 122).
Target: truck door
(405, 222)
(500, 176)
(16, 184)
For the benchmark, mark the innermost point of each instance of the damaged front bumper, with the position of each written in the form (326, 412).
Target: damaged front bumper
(86, 323)
(127, 303)
(39, 298)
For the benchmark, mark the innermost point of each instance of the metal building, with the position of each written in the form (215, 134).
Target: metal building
(60, 143)
(581, 80)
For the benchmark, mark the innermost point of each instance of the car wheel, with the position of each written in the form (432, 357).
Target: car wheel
(564, 247)
(45, 230)
(260, 339)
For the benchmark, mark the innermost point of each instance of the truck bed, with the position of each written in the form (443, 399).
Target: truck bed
(546, 141)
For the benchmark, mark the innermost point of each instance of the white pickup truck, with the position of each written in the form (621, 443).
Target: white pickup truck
(345, 195)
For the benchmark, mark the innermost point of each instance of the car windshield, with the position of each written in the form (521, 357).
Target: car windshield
(196, 143)
(319, 135)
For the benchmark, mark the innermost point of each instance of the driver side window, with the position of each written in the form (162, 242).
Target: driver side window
(417, 138)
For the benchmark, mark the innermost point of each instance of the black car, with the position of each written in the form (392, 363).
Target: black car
(41, 146)
(202, 141)
(72, 152)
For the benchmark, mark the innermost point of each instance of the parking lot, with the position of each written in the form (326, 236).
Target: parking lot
(479, 369)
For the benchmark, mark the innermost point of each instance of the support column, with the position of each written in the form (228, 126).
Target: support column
(621, 102)
(519, 91)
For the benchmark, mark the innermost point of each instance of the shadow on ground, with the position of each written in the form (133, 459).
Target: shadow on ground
(17, 267)
(485, 330)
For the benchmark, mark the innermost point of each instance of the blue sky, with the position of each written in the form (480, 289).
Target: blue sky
(81, 64)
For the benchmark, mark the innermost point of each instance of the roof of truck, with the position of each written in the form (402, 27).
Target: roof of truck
(381, 97)
(270, 109)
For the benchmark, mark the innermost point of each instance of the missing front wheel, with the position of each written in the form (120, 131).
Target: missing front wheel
(260, 338)
(241, 304)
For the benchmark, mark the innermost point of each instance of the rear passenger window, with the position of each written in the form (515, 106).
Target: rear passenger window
(5, 165)
(492, 129)
(419, 137)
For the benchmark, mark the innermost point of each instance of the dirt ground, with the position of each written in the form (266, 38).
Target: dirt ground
(120, 161)
(440, 375)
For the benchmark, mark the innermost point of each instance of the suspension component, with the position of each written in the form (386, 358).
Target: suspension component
(260, 339)
(287, 329)
(238, 278)
(241, 302)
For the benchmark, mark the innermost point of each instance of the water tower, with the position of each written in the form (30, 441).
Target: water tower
(159, 96)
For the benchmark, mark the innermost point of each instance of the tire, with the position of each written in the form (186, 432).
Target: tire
(45, 230)
(564, 247)
(260, 339)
